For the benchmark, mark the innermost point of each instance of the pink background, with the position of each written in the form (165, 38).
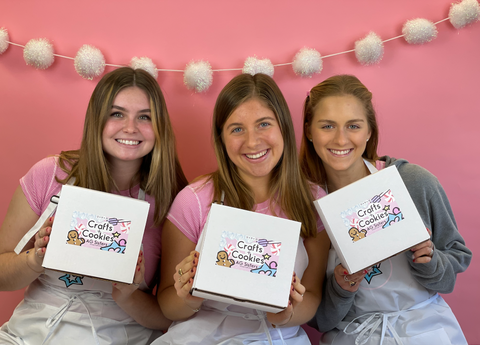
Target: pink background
(427, 97)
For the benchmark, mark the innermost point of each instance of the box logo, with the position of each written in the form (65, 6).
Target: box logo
(99, 232)
(371, 216)
(247, 253)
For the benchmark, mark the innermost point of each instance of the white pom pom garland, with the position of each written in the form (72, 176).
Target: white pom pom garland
(3, 40)
(198, 75)
(89, 62)
(369, 50)
(464, 13)
(307, 62)
(146, 64)
(253, 66)
(419, 31)
(38, 53)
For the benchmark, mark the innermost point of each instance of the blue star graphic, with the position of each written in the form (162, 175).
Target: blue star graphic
(71, 279)
(374, 272)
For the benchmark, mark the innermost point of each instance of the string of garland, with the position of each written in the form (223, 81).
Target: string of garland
(198, 75)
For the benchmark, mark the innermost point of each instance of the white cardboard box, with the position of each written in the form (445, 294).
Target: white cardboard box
(371, 219)
(96, 234)
(246, 258)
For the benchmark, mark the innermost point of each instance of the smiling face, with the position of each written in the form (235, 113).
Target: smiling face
(128, 133)
(253, 141)
(339, 132)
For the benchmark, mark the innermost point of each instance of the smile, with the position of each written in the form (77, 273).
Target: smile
(258, 155)
(340, 152)
(128, 142)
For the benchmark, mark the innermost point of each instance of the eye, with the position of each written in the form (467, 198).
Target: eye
(145, 117)
(236, 130)
(116, 114)
(264, 124)
(353, 126)
(327, 126)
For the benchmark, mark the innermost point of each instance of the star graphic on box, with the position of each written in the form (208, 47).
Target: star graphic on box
(266, 256)
(374, 272)
(116, 234)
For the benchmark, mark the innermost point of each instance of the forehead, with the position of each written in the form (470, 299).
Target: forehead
(250, 111)
(338, 108)
(131, 94)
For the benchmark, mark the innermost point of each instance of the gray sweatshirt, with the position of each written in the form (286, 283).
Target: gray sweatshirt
(450, 256)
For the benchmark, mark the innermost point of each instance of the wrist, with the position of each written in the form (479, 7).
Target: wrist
(284, 323)
(32, 262)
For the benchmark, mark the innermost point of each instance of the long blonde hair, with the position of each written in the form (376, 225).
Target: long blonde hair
(339, 85)
(160, 174)
(288, 187)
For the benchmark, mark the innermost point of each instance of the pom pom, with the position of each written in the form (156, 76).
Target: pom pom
(307, 62)
(89, 62)
(253, 66)
(369, 51)
(419, 31)
(146, 64)
(38, 53)
(3, 40)
(464, 13)
(198, 75)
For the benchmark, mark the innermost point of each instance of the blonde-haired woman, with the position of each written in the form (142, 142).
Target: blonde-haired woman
(396, 302)
(258, 171)
(128, 148)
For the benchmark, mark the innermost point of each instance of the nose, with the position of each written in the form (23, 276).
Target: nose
(130, 125)
(252, 138)
(341, 137)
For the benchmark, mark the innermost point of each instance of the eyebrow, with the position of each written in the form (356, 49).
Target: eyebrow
(350, 121)
(259, 120)
(123, 109)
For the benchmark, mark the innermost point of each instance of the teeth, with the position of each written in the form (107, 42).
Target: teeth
(128, 142)
(344, 152)
(258, 155)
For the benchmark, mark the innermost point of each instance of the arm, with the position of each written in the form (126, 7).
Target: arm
(174, 291)
(140, 305)
(303, 308)
(18, 271)
(450, 255)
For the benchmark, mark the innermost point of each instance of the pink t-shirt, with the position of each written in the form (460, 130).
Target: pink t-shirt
(39, 185)
(190, 209)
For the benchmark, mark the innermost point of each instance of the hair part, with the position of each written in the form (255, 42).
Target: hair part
(339, 85)
(288, 187)
(160, 174)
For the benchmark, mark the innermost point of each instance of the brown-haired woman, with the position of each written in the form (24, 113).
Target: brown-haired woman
(128, 148)
(258, 171)
(396, 302)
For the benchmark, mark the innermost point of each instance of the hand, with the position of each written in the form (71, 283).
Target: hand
(423, 252)
(297, 291)
(42, 237)
(121, 291)
(348, 282)
(183, 277)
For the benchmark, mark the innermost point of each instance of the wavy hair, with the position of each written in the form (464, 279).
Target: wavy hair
(288, 187)
(160, 174)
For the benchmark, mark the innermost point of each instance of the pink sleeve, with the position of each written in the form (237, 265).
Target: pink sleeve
(39, 184)
(379, 164)
(189, 210)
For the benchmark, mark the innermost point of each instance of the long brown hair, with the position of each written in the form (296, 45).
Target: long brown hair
(288, 187)
(339, 85)
(160, 174)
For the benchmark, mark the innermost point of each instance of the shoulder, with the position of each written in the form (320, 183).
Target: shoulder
(412, 174)
(317, 191)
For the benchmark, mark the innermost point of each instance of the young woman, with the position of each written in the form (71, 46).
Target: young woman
(396, 302)
(258, 171)
(128, 148)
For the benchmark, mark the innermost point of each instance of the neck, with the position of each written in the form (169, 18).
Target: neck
(340, 179)
(260, 190)
(123, 173)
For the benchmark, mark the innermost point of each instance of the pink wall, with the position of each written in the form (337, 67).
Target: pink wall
(426, 96)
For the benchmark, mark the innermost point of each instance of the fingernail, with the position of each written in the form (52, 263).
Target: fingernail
(413, 260)
(141, 252)
(294, 280)
(114, 284)
(45, 238)
(140, 260)
(194, 262)
(293, 289)
(345, 272)
(289, 303)
(192, 270)
(138, 269)
(195, 255)
(50, 219)
(294, 274)
(365, 271)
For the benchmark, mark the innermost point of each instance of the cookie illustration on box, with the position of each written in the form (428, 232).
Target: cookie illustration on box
(249, 254)
(223, 260)
(99, 232)
(371, 216)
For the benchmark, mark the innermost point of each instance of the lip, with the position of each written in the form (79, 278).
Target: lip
(340, 153)
(257, 157)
